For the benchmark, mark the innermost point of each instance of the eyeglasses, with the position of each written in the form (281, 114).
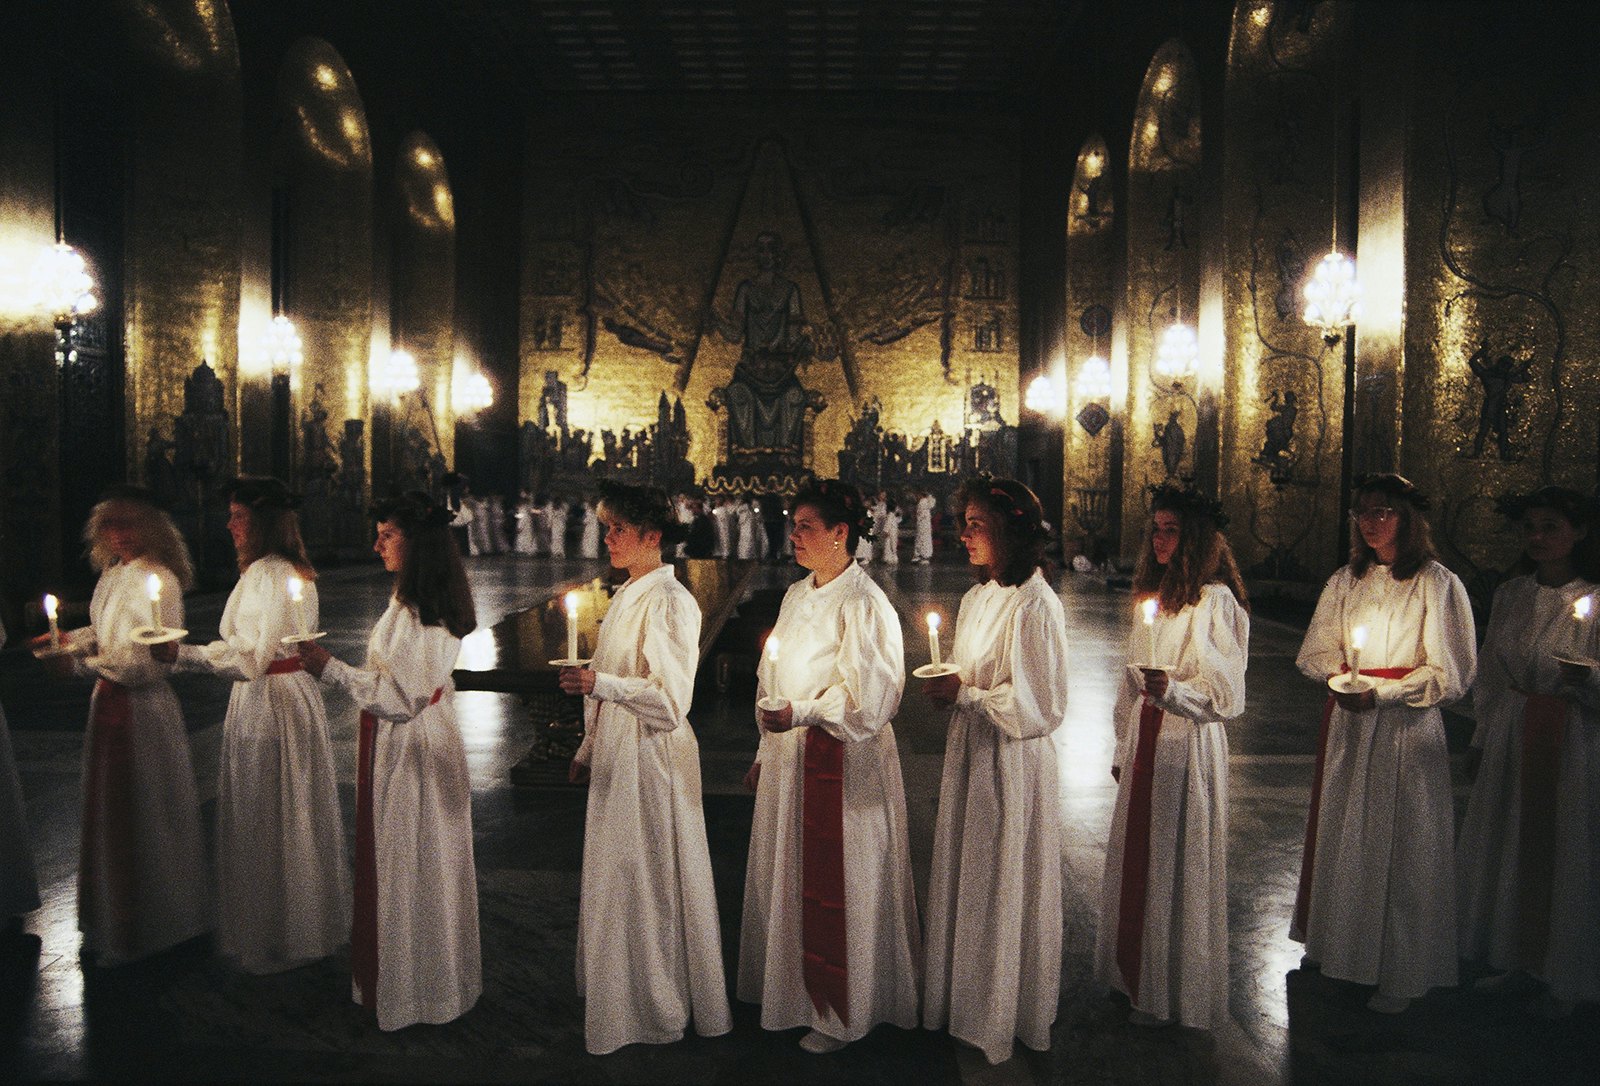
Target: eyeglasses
(1372, 516)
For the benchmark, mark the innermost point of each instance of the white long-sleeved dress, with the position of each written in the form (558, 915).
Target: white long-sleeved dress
(282, 890)
(1181, 947)
(1380, 905)
(891, 537)
(555, 515)
(429, 964)
(746, 525)
(141, 866)
(842, 667)
(19, 884)
(589, 538)
(1529, 625)
(649, 948)
(994, 896)
(922, 549)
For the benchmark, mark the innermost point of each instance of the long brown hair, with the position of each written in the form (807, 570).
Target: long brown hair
(1203, 556)
(163, 543)
(1018, 518)
(274, 525)
(1413, 539)
(431, 577)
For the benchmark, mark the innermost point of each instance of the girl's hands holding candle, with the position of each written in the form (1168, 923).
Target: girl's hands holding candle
(577, 680)
(778, 720)
(942, 689)
(1155, 682)
(165, 652)
(313, 657)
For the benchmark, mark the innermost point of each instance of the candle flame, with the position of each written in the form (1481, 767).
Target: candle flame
(1580, 609)
(1149, 608)
(1358, 637)
(572, 605)
(772, 648)
(153, 585)
(933, 620)
(296, 589)
(50, 605)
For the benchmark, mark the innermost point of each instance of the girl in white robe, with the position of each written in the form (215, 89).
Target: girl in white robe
(589, 541)
(1528, 857)
(891, 537)
(141, 865)
(555, 514)
(993, 949)
(527, 520)
(19, 885)
(719, 522)
(414, 945)
(282, 892)
(747, 524)
(810, 959)
(649, 946)
(922, 548)
(1377, 887)
(1163, 933)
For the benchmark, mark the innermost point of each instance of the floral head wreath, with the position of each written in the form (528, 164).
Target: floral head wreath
(1019, 505)
(1395, 486)
(412, 510)
(1187, 501)
(260, 492)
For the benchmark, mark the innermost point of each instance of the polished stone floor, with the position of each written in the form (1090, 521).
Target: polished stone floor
(186, 1015)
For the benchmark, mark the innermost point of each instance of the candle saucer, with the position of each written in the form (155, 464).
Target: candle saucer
(50, 652)
(770, 704)
(1577, 661)
(1151, 667)
(933, 671)
(295, 639)
(568, 662)
(157, 635)
(1350, 684)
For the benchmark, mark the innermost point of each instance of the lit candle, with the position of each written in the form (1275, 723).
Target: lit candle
(572, 626)
(772, 648)
(153, 586)
(1358, 641)
(50, 605)
(1149, 608)
(933, 637)
(297, 595)
(1580, 613)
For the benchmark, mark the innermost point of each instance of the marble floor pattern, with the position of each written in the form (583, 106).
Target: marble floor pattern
(187, 1015)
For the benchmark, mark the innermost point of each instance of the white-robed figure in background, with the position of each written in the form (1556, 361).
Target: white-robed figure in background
(414, 947)
(649, 947)
(19, 883)
(1528, 858)
(555, 515)
(829, 937)
(922, 547)
(1163, 933)
(891, 534)
(495, 506)
(719, 525)
(746, 524)
(1376, 903)
(993, 952)
(283, 897)
(527, 521)
(589, 534)
(141, 864)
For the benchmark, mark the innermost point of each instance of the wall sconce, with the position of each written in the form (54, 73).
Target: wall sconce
(1177, 355)
(400, 376)
(1093, 386)
(62, 286)
(472, 393)
(1044, 397)
(281, 348)
(1333, 297)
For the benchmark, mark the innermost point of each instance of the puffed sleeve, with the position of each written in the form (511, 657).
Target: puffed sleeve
(118, 657)
(1322, 652)
(869, 674)
(397, 694)
(1032, 700)
(1218, 649)
(1449, 647)
(660, 697)
(261, 620)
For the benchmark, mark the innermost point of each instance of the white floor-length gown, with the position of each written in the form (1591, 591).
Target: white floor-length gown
(841, 665)
(1378, 906)
(1528, 860)
(1163, 934)
(19, 884)
(414, 792)
(589, 541)
(649, 946)
(283, 896)
(994, 897)
(556, 517)
(922, 549)
(142, 884)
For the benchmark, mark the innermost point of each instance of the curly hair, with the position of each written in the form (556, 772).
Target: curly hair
(274, 526)
(1413, 539)
(1203, 556)
(837, 503)
(162, 543)
(647, 508)
(1020, 536)
(431, 577)
(1577, 510)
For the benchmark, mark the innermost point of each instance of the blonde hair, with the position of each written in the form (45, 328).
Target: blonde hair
(163, 543)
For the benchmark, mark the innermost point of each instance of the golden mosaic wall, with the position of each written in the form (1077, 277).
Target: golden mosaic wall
(902, 241)
(424, 284)
(1090, 429)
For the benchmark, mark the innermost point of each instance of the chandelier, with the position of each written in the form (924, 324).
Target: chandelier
(1044, 397)
(1094, 379)
(281, 347)
(1178, 353)
(1333, 296)
(472, 393)
(401, 374)
(62, 284)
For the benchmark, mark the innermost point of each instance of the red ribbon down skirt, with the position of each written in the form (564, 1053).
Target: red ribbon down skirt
(825, 968)
(109, 820)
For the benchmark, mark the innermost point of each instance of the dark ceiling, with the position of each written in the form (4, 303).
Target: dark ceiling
(985, 52)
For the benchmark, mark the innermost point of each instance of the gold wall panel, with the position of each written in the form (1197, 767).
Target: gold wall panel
(422, 306)
(901, 240)
(1087, 492)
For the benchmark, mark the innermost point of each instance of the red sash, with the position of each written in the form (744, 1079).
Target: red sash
(1136, 849)
(1302, 897)
(364, 918)
(825, 967)
(287, 666)
(108, 818)
(1544, 719)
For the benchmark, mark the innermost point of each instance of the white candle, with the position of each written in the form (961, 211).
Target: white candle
(772, 648)
(153, 586)
(50, 606)
(1149, 608)
(572, 626)
(1358, 641)
(933, 637)
(1580, 613)
(297, 595)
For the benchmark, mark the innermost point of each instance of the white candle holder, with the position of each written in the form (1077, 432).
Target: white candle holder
(772, 704)
(1348, 683)
(55, 649)
(157, 635)
(933, 671)
(296, 638)
(567, 661)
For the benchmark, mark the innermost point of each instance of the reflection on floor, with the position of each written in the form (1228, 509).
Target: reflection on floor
(186, 1015)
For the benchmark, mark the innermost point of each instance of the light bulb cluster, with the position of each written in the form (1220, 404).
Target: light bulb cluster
(1333, 296)
(472, 393)
(1094, 379)
(401, 375)
(1045, 397)
(62, 285)
(1178, 352)
(281, 347)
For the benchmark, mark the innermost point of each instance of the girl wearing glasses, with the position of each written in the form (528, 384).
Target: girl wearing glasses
(1529, 854)
(1376, 902)
(1163, 937)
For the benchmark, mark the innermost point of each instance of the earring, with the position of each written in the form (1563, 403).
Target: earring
(835, 544)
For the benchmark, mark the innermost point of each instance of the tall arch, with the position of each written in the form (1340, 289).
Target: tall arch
(1285, 388)
(1163, 274)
